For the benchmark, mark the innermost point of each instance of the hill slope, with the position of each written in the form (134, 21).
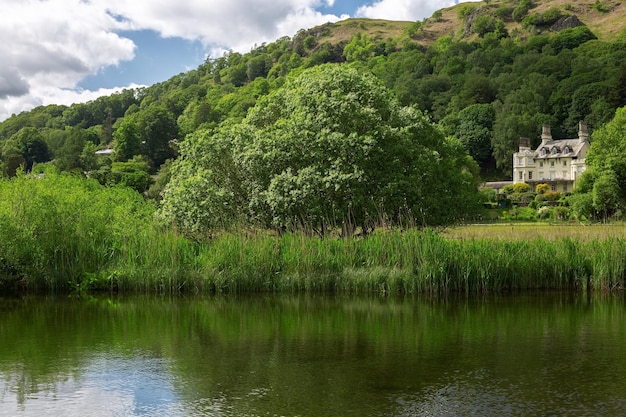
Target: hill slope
(604, 18)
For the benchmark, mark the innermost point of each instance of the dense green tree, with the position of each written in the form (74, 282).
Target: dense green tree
(157, 128)
(475, 129)
(68, 157)
(360, 48)
(332, 147)
(30, 144)
(127, 139)
(605, 179)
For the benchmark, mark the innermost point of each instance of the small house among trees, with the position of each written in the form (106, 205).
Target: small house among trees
(558, 163)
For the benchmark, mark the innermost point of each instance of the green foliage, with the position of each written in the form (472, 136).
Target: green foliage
(474, 130)
(127, 140)
(601, 6)
(542, 188)
(28, 143)
(606, 166)
(157, 128)
(521, 187)
(571, 38)
(360, 48)
(361, 159)
(582, 206)
(464, 10)
(484, 24)
(488, 194)
(606, 193)
(507, 189)
(521, 10)
(58, 229)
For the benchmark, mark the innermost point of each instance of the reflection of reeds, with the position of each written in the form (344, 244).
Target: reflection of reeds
(66, 234)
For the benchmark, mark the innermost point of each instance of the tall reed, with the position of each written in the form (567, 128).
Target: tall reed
(64, 233)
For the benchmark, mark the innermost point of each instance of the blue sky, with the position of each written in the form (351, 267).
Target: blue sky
(67, 51)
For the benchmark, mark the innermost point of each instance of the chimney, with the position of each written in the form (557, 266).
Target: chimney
(546, 135)
(583, 133)
(524, 144)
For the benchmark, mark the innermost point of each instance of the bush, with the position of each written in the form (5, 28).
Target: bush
(521, 10)
(521, 213)
(552, 195)
(542, 188)
(507, 189)
(488, 194)
(521, 187)
(582, 206)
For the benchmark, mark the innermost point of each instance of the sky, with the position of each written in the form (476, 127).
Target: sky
(71, 51)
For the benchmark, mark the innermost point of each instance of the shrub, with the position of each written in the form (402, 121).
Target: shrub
(507, 189)
(551, 15)
(504, 12)
(484, 25)
(542, 188)
(488, 194)
(521, 10)
(521, 187)
(552, 195)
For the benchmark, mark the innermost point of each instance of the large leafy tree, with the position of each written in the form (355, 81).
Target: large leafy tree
(28, 143)
(605, 178)
(333, 147)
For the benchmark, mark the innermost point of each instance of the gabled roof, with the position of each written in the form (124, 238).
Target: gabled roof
(569, 148)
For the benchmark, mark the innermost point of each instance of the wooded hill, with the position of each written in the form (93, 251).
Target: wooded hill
(487, 73)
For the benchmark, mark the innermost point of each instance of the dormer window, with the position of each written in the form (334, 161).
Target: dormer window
(555, 150)
(543, 151)
(567, 150)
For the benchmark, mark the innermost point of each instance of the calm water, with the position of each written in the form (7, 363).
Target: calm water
(519, 355)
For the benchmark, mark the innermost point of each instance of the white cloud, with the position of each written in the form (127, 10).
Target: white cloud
(51, 45)
(54, 44)
(409, 10)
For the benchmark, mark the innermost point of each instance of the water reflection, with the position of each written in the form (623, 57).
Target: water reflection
(107, 385)
(532, 354)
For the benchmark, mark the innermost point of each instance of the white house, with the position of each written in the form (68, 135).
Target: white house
(555, 162)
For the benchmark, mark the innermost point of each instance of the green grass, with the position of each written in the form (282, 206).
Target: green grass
(66, 234)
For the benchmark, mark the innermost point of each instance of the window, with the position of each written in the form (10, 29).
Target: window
(519, 161)
(541, 164)
(565, 163)
(543, 151)
(553, 187)
(530, 175)
(521, 175)
(551, 163)
(540, 175)
(564, 188)
(530, 161)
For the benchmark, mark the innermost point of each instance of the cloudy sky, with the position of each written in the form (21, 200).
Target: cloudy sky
(67, 51)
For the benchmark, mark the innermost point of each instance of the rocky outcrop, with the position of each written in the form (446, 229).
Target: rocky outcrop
(566, 22)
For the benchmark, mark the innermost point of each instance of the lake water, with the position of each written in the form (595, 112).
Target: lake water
(517, 355)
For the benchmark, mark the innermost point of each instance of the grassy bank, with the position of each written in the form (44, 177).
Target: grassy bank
(63, 233)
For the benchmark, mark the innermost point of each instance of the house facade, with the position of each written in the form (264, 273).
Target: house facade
(557, 163)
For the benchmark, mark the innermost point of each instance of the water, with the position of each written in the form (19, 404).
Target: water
(516, 355)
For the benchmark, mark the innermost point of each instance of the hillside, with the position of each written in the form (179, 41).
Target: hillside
(486, 73)
(604, 18)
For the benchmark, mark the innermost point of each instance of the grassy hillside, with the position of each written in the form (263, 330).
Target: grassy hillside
(605, 19)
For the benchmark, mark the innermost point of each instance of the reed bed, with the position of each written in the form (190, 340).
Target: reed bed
(66, 234)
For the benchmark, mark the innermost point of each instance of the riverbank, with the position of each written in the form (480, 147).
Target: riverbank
(66, 234)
